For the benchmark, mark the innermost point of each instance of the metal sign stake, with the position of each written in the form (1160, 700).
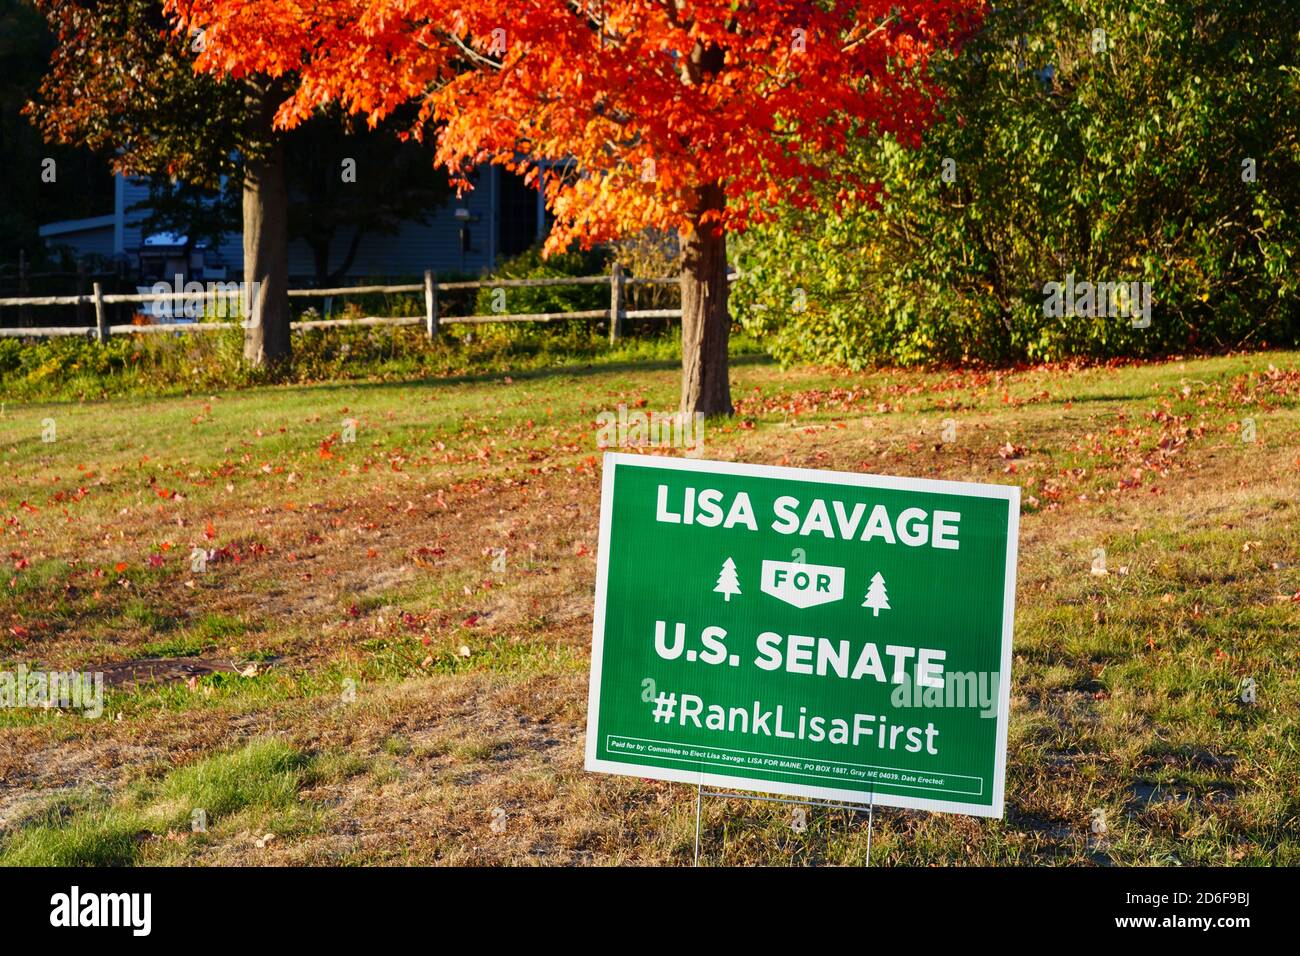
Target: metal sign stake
(701, 793)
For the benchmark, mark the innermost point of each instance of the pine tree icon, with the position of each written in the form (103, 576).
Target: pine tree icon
(877, 597)
(728, 582)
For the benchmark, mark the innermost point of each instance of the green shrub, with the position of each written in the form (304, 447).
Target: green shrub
(76, 366)
(566, 298)
(203, 363)
(1119, 160)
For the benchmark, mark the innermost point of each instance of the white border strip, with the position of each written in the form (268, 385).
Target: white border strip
(797, 773)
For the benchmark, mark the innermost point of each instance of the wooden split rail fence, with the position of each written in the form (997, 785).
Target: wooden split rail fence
(617, 313)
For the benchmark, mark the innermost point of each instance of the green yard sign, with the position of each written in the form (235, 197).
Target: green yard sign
(810, 633)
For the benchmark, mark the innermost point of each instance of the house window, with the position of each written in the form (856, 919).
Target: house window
(516, 215)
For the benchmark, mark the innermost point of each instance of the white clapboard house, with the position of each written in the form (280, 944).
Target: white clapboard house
(499, 218)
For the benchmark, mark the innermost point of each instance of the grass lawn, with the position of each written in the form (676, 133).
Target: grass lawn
(349, 679)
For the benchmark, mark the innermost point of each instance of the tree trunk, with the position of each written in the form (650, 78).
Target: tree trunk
(706, 322)
(320, 258)
(266, 260)
(341, 273)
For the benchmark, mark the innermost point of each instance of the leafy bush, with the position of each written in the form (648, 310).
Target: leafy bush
(645, 255)
(1114, 156)
(78, 366)
(154, 364)
(564, 298)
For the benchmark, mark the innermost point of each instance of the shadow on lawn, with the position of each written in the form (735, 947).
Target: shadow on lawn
(533, 375)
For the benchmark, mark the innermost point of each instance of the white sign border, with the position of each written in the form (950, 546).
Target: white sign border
(1008, 493)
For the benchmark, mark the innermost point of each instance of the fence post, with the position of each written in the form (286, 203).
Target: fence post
(101, 316)
(431, 303)
(616, 310)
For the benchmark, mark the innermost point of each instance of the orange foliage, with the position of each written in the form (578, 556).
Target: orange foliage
(625, 108)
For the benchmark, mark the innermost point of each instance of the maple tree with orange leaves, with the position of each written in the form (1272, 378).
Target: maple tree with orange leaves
(697, 116)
